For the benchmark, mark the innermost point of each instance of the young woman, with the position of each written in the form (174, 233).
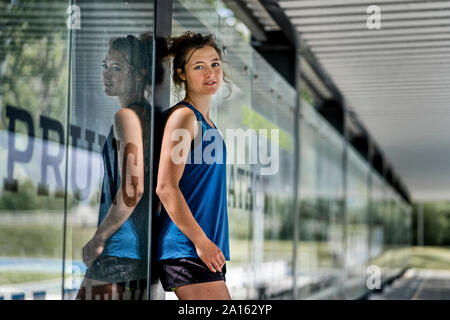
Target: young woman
(193, 242)
(116, 255)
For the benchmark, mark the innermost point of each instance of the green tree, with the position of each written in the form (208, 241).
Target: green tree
(33, 58)
(27, 199)
(436, 218)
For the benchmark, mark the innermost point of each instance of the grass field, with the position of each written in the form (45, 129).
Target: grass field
(45, 241)
(13, 277)
(430, 257)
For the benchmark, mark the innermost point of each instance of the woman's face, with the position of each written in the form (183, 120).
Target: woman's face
(203, 71)
(117, 75)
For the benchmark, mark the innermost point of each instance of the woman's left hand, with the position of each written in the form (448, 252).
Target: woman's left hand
(92, 250)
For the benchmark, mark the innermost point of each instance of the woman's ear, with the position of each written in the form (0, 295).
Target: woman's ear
(141, 74)
(181, 74)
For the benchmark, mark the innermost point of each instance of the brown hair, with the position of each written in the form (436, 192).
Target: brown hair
(179, 47)
(138, 52)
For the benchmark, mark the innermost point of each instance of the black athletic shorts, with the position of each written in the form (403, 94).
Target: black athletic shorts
(115, 269)
(180, 272)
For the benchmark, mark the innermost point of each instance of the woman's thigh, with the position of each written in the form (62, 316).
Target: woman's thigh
(91, 289)
(214, 290)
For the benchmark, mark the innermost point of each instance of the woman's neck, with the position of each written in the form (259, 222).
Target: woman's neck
(201, 103)
(125, 101)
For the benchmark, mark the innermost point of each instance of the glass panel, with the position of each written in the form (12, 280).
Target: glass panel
(33, 98)
(407, 240)
(329, 217)
(307, 248)
(378, 253)
(243, 182)
(107, 223)
(259, 205)
(320, 250)
(272, 108)
(390, 228)
(356, 225)
(56, 90)
(396, 220)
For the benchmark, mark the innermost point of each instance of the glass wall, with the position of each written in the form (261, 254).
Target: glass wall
(260, 193)
(402, 237)
(330, 212)
(388, 210)
(396, 236)
(320, 254)
(34, 73)
(60, 96)
(272, 109)
(357, 231)
(378, 254)
(111, 71)
(407, 232)
(69, 167)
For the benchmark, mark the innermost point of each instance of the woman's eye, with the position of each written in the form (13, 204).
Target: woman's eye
(216, 64)
(198, 67)
(104, 66)
(116, 69)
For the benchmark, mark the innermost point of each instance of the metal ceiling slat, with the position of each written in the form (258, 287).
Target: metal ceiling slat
(406, 103)
(394, 98)
(361, 9)
(379, 59)
(386, 52)
(362, 25)
(393, 71)
(375, 34)
(369, 40)
(387, 79)
(399, 82)
(390, 67)
(376, 46)
(399, 90)
(395, 85)
(395, 79)
(362, 17)
(336, 3)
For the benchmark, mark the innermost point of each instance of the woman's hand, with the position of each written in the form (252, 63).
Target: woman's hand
(210, 254)
(92, 250)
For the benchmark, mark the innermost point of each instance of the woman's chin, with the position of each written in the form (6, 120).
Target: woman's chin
(211, 91)
(108, 92)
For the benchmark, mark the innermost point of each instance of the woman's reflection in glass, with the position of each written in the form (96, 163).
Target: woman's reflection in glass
(117, 253)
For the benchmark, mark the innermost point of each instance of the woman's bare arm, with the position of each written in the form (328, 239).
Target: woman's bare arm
(128, 134)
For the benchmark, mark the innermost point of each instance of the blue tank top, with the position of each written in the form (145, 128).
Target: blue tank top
(130, 240)
(203, 185)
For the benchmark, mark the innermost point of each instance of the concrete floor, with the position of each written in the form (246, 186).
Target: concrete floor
(418, 284)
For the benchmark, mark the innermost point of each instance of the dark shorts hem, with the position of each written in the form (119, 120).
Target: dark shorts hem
(175, 273)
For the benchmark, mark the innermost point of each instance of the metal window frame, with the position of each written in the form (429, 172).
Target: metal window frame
(162, 28)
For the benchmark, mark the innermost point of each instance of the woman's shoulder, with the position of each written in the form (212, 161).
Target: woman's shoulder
(179, 115)
(126, 114)
(128, 119)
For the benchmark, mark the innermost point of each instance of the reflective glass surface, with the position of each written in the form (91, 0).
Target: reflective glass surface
(320, 252)
(107, 228)
(34, 74)
(75, 197)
